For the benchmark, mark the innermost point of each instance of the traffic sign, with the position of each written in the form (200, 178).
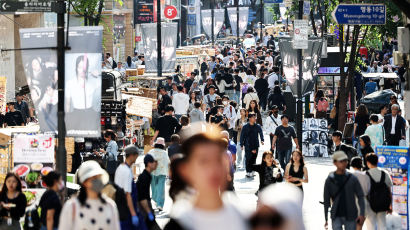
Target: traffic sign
(26, 6)
(170, 12)
(273, 1)
(360, 14)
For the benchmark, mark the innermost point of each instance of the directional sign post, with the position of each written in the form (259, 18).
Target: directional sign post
(360, 14)
(26, 6)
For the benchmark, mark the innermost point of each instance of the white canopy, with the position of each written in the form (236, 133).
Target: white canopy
(381, 75)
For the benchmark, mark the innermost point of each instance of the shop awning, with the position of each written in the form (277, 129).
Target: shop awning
(381, 75)
(5, 133)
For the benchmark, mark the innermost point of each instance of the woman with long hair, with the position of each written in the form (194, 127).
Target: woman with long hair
(203, 169)
(296, 171)
(12, 202)
(250, 95)
(129, 64)
(277, 98)
(361, 120)
(239, 123)
(321, 104)
(110, 153)
(192, 100)
(90, 209)
(254, 108)
(269, 170)
(365, 147)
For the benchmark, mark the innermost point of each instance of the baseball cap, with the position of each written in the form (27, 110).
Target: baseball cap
(339, 156)
(148, 159)
(160, 141)
(90, 169)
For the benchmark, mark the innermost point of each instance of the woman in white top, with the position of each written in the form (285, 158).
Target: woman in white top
(250, 95)
(203, 168)
(90, 209)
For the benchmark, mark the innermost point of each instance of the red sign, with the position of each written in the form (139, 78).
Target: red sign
(137, 38)
(170, 12)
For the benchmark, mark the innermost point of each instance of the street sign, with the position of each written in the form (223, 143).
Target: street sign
(170, 12)
(26, 6)
(306, 7)
(300, 34)
(273, 1)
(360, 14)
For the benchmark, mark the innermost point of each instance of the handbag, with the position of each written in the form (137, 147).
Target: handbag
(333, 113)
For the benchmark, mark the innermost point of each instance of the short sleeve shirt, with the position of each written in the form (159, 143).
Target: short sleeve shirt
(49, 201)
(161, 156)
(123, 178)
(284, 137)
(143, 186)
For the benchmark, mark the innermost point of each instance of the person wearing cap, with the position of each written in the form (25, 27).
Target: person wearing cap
(13, 117)
(250, 140)
(283, 141)
(159, 175)
(210, 98)
(22, 106)
(272, 122)
(342, 189)
(90, 209)
(124, 179)
(280, 208)
(143, 186)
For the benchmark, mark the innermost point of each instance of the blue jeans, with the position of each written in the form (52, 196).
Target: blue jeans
(338, 222)
(158, 190)
(178, 116)
(230, 93)
(284, 157)
(236, 96)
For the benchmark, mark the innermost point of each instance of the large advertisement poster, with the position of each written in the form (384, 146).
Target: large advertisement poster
(40, 67)
(219, 17)
(83, 82)
(314, 137)
(396, 161)
(243, 19)
(169, 44)
(33, 157)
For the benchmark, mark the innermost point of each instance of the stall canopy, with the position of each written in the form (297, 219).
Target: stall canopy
(6, 133)
(381, 75)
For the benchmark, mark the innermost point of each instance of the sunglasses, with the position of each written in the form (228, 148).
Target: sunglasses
(273, 221)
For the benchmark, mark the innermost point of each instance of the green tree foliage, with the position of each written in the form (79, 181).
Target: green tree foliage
(90, 10)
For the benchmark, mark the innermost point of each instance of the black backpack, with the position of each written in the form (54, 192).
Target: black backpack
(114, 64)
(380, 195)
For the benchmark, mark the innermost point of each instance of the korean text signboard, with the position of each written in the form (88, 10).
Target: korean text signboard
(26, 6)
(143, 11)
(300, 35)
(360, 14)
(396, 161)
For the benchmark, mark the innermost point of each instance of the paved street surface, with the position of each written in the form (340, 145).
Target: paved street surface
(318, 169)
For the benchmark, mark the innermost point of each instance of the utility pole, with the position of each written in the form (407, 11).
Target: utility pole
(299, 100)
(261, 36)
(159, 40)
(237, 23)
(213, 22)
(61, 157)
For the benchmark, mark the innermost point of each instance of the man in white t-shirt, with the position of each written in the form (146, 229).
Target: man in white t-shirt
(272, 122)
(124, 179)
(273, 78)
(108, 61)
(269, 59)
(180, 102)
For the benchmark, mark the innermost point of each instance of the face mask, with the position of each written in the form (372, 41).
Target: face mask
(61, 186)
(97, 185)
(225, 102)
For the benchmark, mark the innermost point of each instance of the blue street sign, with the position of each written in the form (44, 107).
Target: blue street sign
(191, 19)
(273, 1)
(360, 14)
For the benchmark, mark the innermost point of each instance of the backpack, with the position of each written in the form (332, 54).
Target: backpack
(32, 219)
(380, 195)
(322, 105)
(114, 64)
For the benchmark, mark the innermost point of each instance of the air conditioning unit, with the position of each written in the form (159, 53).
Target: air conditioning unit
(403, 39)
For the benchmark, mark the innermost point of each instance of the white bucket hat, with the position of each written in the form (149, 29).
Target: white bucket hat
(90, 169)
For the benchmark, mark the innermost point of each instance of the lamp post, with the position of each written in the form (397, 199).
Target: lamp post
(237, 23)
(212, 22)
(261, 21)
(159, 40)
(299, 100)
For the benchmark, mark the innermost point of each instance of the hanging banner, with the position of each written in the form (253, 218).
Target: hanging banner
(33, 157)
(395, 160)
(169, 43)
(3, 93)
(83, 82)
(243, 19)
(219, 17)
(314, 137)
(40, 67)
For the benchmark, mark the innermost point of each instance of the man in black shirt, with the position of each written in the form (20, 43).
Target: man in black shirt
(238, 81)
(13, 117)
(339, 146)
(143, 186)
(219, 118)
(283, 135)
(166, 126)
(165, 100)
(188, 82)
(22, 106)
